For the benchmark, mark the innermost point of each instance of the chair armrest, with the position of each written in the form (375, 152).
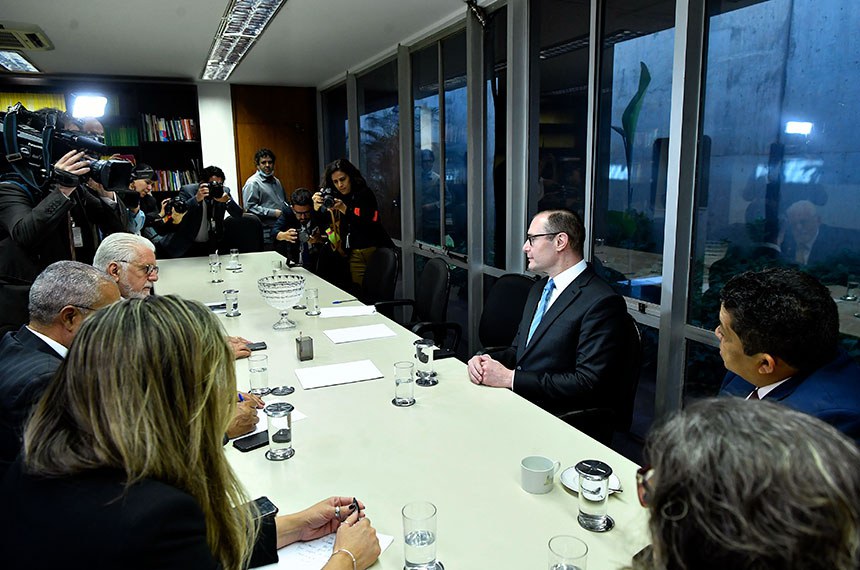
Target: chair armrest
(439, 333)
(387, 307)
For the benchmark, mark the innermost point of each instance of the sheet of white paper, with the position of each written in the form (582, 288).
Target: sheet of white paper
(334, 374)
(314, 554)
(352, 334)
(331, 312)
(261, 425)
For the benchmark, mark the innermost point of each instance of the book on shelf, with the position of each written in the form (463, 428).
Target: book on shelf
(173, 180)
(126, 135)
(161, 129)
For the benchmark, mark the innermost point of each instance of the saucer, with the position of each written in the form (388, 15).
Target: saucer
(570, 479)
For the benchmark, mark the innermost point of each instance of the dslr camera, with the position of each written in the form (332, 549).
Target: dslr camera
(304, 236)
(328, 196)
(216, 189)
(177, 205)
(38, 142)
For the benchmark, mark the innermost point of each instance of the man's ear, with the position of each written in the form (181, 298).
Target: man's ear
(67, 317)
(767, 363)
(113, 270)
(563, 242)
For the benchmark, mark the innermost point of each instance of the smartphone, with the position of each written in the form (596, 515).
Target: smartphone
(251, 442)
(265, 507)
(257, 346)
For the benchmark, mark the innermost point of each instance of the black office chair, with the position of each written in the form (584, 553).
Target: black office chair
(380, 277)
(243, 233)
(503, 310)
(601, 423)
(430, 306)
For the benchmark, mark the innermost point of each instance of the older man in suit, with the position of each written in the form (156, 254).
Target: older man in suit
(61, 297)
(779, 340)
(570, 347)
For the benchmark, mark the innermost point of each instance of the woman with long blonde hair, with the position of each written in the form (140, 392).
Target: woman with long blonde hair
(123, 465)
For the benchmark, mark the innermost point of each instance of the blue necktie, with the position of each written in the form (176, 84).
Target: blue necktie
(541, 309)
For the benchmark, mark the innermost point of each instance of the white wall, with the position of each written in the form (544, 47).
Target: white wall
(217, 135)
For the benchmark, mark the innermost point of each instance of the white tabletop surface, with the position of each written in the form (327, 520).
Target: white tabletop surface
(458, 447)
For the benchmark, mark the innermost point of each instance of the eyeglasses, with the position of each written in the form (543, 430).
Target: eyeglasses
(149, 269)
(531, 238)
(643, 485)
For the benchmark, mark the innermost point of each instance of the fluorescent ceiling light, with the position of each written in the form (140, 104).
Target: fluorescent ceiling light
(88, 105)
(798, 128)
(14, 61)
(240, 27)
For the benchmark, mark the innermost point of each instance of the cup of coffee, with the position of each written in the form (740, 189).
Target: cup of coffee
(538, 474)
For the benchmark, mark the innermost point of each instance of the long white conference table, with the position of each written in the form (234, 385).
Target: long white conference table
(458, 447)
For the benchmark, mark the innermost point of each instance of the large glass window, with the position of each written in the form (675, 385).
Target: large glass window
(440, 142)
(633, 127)
(379, 141)
(335, 123)
(779, 170)
(496, 93)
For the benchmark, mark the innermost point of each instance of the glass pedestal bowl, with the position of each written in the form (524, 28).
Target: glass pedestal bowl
(282, 292)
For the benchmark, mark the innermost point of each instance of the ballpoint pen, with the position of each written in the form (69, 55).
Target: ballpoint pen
(338, 302)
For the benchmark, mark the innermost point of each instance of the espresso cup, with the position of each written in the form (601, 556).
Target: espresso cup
(538, 474)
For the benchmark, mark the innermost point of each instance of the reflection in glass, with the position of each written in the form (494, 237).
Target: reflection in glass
(335, 123)
(495, 199)
(379, 140)
(454, 72)
(779, 169)
(633, 129)
(428, 187)
(704, 371)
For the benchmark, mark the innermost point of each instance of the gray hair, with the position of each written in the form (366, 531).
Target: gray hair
(120, 247)
(752, 484)
(65, 283)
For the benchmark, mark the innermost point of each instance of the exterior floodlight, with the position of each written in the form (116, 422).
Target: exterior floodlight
(798, 128)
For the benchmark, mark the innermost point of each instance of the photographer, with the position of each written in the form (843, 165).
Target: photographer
(299, 234)
(206, 202)
(46, 213)
(355, 231)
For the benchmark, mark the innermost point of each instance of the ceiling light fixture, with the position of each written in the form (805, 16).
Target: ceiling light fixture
(243, 23)
(14, 61)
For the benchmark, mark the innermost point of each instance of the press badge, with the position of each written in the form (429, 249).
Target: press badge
(77, 236)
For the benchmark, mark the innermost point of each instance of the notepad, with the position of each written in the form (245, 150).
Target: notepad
(314, 554)
(334, 374)
(353, 334)
(331, 312)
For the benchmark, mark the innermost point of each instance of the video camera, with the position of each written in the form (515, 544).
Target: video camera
(34, 141)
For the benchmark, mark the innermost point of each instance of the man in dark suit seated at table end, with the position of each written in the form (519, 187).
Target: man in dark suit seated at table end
(570, 347)
(779, 333)
(61, 297)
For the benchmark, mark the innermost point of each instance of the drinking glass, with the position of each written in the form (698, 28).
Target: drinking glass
(419, 536)
(280, 426)
(593, 495)
(404, 387)
(312, 295)
(277, 266)
(567, 553)
(425, 375)
(234, 260)
(231, 301)
(850, 285)
(258, 367)
(215, 269)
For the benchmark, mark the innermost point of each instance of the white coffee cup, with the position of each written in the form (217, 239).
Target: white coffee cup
(538, 474)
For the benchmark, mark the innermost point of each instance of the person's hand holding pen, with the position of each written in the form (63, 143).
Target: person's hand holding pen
(319, 520)
(253, 400)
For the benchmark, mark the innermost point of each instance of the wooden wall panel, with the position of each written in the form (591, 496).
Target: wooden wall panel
(282, 119)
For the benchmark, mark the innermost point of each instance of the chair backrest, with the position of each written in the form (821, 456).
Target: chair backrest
(630, 376)
(431, 292)
(244, 234)
(503, 310)
(380, 277)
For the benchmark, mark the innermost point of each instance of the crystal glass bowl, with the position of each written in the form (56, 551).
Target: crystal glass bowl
(282, 292)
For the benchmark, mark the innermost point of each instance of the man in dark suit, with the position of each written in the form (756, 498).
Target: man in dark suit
(61, 297)
(570, 347)
(202, 228)
(779, 331)
(810, 243)
(299, 234)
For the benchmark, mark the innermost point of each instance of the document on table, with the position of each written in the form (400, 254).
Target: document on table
(352, 334)
(314, 554)
(295, 416)
(334, 374)
(331, 312)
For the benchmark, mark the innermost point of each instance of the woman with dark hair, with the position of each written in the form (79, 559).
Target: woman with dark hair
(750, 485)
(355, 230)
(123, 465)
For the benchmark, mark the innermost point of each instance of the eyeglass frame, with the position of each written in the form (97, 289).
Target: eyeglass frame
(531, 238)
(148, 268)
(643, 488)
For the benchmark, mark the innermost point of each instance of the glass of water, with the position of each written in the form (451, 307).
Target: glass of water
(258, 367)
(419, 536)
(593, 495)
(215, 269)
(850, 289)
(567, 553)
(313, 297)
(280, 426)
(404, 385)
(425, 375)
(234, 260)
(231, 301)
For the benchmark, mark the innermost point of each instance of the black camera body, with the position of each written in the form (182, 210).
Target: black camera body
(328, 196)
(177, 205)
(216, 189)
(38, 143)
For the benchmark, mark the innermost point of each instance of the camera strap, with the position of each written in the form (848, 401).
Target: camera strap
(13, 152)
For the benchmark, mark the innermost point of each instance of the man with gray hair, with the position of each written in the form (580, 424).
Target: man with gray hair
(130, 261)
(61, 297)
